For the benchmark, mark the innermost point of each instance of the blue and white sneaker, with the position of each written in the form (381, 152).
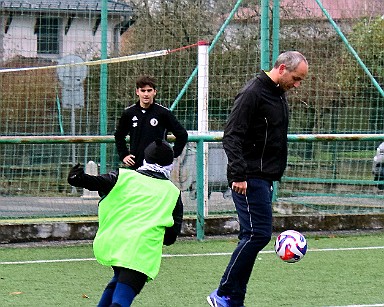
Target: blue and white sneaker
(217, 301)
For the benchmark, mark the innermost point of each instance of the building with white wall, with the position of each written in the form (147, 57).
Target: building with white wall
(53, 29)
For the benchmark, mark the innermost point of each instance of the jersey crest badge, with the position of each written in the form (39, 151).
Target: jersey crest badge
(153, 122)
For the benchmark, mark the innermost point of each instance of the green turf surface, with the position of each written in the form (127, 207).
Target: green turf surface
(322, 278)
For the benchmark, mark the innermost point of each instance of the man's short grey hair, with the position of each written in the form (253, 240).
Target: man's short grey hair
(291, 59)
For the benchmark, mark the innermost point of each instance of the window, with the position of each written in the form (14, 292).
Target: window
(48, 39)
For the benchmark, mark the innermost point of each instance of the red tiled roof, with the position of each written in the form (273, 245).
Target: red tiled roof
(337, 9)
(303, 9)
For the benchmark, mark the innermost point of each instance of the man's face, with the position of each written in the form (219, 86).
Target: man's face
(146, 95)
(292, 79)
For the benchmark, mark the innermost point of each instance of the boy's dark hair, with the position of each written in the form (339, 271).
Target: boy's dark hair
(145, 80)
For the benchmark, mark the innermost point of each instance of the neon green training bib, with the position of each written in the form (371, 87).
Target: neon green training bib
(132, 221)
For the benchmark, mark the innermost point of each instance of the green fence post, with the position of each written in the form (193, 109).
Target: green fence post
(103, 83)
(200, 189)
(264, 35)
(275, 30)
(264, 46)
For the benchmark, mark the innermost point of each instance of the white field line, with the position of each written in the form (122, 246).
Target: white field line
(194, 255)
(374, 305)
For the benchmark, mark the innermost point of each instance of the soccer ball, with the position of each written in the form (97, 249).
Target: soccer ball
(290, 246)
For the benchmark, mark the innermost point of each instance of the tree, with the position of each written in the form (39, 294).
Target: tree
(367, 39)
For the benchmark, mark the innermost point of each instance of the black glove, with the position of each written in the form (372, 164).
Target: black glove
(75, 174)
(169, 236)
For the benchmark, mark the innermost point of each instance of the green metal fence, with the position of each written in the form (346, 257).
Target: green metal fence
(116, 41)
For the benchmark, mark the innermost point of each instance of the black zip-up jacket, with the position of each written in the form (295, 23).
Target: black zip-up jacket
(105, 182)
(145, 126)
(255, 136)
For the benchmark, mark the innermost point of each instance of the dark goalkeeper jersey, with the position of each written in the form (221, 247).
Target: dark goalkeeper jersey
(143, 127)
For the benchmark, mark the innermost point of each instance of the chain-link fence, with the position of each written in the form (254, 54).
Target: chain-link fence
(339, 96)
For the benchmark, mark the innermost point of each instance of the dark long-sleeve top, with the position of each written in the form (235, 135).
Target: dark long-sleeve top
(145, 126)
(105, 182)
(255, 136)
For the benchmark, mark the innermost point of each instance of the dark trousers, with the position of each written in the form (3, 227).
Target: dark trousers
(255, 217)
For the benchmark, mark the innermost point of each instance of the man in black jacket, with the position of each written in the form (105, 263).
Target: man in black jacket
(255, 142)
(145, 122)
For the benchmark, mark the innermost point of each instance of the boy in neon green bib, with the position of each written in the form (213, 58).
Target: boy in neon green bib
(140, 210)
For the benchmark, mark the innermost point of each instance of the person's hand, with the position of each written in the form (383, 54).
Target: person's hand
(239, 187)
(129, 160)
(75, 173)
